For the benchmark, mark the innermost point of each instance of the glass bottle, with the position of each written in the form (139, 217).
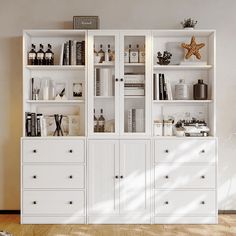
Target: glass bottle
(129, 50)
(142, 54)
(200, 90)
(32, 59)
(134, 55)
(101, 54)
(49, 56)
(101, 122)
(181, 90)
(95, 122)
(109, 52)
(126, 54)
(40, 55)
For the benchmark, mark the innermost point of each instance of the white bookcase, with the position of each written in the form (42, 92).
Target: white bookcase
(124, 174)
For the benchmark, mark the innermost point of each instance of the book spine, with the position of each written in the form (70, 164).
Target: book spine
(67, 53)
(83, 52)
(33, 124)
(154, 87)
(133, 120)
(28, 123)
(165, 87)
(70, 52)
(130, 121)
(79, 53)
(161, 97)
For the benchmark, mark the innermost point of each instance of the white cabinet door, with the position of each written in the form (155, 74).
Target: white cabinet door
(135, 176)
(103, 172)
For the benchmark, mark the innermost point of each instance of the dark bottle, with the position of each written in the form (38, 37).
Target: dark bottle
(130, 49)
(49, 56)
(101, 54)
(95, 122)
(32, 56)
(41, 55)
(101, 122)
(200, 90)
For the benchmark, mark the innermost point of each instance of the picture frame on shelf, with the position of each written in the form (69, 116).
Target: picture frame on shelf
(61, 90)
(76, 89)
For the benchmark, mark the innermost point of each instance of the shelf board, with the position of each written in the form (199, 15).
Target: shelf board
(134, 97)
(182, 101)
(104, 97)
(55, 101)
(104, 64)
(182, 67)
(134, 64)
(56, 67)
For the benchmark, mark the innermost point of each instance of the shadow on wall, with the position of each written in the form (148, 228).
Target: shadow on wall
(11, 76)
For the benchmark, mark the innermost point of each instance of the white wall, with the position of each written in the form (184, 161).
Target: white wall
(17, 15)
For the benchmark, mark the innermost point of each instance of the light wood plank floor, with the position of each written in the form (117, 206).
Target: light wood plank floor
(226, 227)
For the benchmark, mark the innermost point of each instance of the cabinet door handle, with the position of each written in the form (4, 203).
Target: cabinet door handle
(121, 176)
(34, 151)
(166, 202)
(34, 202)
(71, 176)
(121, 79)
(116, 176)
(117, 80)
(166, 151)
(70, 202)
(202, 202)
(203, 176)
(70, 151)
(202, 151)
(167, 176)
(34, 176)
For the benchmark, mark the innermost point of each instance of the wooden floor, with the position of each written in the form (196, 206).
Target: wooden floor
(226, 227)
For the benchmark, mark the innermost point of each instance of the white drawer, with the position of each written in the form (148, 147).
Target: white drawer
(185, 150)
(174, 176)
(53, 150)
(53, 176)
(53, 202)
(185, 203)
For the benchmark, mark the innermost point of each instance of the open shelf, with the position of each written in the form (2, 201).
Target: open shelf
(56, 67)
(183, 67)
(182, 101)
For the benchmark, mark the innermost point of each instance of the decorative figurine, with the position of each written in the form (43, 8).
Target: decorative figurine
(193, 48)
(189, 23)
(164, 59)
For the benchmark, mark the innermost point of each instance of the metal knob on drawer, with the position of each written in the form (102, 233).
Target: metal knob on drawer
(34, 202)
(34, 151)
(202, 202)
(203, 176)
(70, 202)
(70, 151)
(203, 151)
(116, 176)
(166, 202)
(121, 176)
(166, 151)
(34, 176)
(121, 79)
(167, 176)
(71, 176)
(117, 80)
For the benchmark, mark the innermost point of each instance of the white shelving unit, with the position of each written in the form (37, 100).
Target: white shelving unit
(119, 176)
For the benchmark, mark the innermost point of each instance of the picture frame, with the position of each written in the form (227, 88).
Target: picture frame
(59, 87)
(76, 89)
(85, 22)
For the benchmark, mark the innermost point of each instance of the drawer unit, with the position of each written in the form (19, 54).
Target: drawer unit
(185, 203)
(54, 203)
(53, 150)
(183, 150)
(53, 176)
(175, 176)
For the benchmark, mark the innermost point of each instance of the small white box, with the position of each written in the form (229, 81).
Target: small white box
(134, 57)
(158, 128)
(168, 128)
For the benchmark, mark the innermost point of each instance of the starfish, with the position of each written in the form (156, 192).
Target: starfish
(193, 48)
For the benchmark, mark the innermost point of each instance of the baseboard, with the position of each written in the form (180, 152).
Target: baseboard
(9, 212)
(227, 211)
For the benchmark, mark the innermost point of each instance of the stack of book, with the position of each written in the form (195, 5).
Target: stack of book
(161, 88)
(136, 120)
(104, 82)
(73, 53)
(134, 85)
(33, 124)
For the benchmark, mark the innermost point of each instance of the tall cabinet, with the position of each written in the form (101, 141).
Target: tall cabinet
(118, 171)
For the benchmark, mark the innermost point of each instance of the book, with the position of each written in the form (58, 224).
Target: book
(165, 94)
(79, 53)
(161, 87)
(136, 120)
(33, 124)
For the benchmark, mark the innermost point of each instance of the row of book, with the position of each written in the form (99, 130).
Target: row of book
(161, 88)
(134, 85)
(73, 53)
(136, 120)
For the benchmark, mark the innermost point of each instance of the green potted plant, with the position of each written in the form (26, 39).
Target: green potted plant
(189, 23)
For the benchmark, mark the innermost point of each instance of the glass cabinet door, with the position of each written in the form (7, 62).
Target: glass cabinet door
(134, 73)
(103, 76)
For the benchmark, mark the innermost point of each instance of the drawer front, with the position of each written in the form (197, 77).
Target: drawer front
(185, 150)
(53, 202)
(185, 203)
(53, 150)
(53, 176)
(173, 176)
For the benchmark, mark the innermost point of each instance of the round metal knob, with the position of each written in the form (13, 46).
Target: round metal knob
(116, 176)
(34, 151)
(117, 80)
(71, 176)
(70, 151)
(202, 202)
(166, 202)
(34, 176)
(70, 202)
(167, 177)
(121, 176)
(34, 202)
(166, 151)
(203, 176)
(203, 151)
(121, 79)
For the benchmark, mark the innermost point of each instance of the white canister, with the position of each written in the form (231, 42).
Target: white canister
(181, 90)
(158, 128)
(46, 89)
(168, 128)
